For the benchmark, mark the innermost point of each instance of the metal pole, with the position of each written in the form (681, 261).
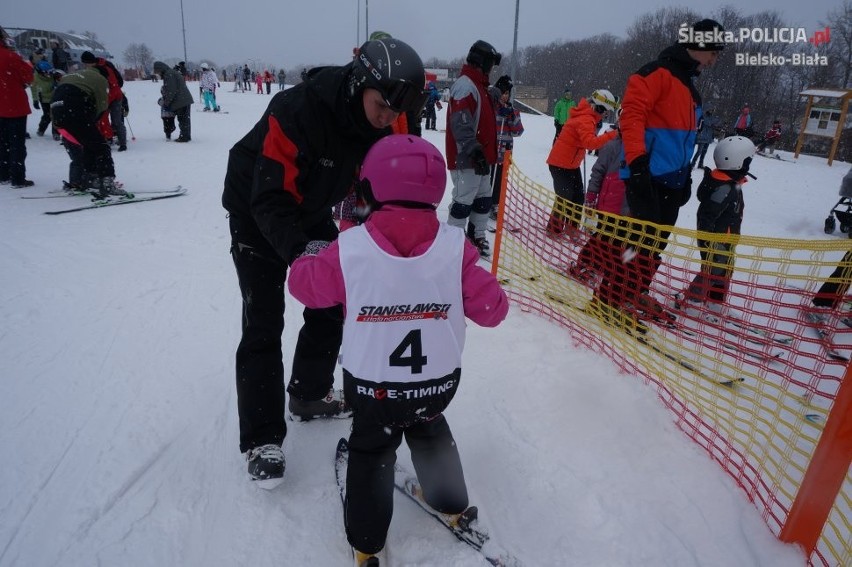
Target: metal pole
(514, 66)
(358, 25)
(366, 20)
(183, 28)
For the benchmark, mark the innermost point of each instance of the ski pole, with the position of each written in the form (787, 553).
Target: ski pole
(129, 127)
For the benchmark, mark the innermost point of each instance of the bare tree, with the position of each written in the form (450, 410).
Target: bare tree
(839, 21)
(139, 57)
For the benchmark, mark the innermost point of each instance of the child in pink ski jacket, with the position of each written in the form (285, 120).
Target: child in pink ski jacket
(407, 283)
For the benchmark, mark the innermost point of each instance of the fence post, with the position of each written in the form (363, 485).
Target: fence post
(498, 235)
(826, 472)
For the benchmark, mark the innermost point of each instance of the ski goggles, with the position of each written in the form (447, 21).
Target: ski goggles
(403, 96)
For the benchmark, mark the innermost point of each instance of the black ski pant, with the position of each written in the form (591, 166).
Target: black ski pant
(568, 185)
(73, 110)
(370, 475)
(45, 119)
(76, 171)
(831, 292)
(629, 279)
(116, 120)
(184, 120)
(259, 361)
(168, 125)
(717, 266)
(13, 149)
(700, 152)
(431, 117)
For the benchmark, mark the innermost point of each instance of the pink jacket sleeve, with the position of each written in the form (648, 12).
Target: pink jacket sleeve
(485, 302)
(317, 281)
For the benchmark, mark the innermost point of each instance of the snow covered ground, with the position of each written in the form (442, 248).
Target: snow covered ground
(118, 420)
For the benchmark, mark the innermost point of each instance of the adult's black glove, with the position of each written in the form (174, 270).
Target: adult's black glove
(641, 195)
(480, 164)
(640, 177)
(686, 192)
(36, 105)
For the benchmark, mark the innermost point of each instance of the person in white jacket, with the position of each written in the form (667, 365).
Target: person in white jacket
(209, 82)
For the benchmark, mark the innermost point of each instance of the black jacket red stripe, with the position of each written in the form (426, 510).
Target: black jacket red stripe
(299, 160)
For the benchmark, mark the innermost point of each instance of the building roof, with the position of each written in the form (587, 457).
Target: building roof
(74, 43)
(828, 93)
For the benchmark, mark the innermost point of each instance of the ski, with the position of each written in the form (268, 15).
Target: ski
(587, 278)
(643, 332)
(59, 193)
(824, 336)
(654, 345)
(117, 201)
(509, 229)
(746, 326)
(764, 353)
(508, 280)
(774, 156)
(465, 527)
(729, 319)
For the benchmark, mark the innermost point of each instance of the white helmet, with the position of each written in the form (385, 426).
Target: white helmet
(603, 97)
(732, 152)
(204, 66)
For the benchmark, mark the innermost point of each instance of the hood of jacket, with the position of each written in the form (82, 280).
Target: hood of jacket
(583, 108)
(160, 67)
(676, 59)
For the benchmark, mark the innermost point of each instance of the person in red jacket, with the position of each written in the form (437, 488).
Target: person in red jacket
(15, 76)
(770, 138)
(471, 142)
(577, 135)
(112, 122)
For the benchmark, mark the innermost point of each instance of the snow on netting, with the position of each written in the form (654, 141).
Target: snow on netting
(752, 384)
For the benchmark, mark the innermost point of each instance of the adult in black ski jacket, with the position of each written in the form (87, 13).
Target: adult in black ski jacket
(282, 180)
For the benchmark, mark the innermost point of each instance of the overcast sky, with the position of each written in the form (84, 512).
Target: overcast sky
(290, 34)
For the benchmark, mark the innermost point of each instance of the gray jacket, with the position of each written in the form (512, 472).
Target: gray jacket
(175, 93)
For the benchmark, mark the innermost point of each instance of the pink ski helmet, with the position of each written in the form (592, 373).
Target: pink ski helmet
(404, 168)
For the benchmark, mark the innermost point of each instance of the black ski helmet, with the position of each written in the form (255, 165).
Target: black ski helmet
(504, 84)
(483, 56)
(394, 69)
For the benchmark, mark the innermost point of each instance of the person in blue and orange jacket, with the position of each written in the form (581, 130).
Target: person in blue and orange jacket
(659, 119)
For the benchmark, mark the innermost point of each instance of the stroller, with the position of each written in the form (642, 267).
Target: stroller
(842, 211)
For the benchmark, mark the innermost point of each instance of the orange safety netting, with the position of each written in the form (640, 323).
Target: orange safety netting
(750, 379)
